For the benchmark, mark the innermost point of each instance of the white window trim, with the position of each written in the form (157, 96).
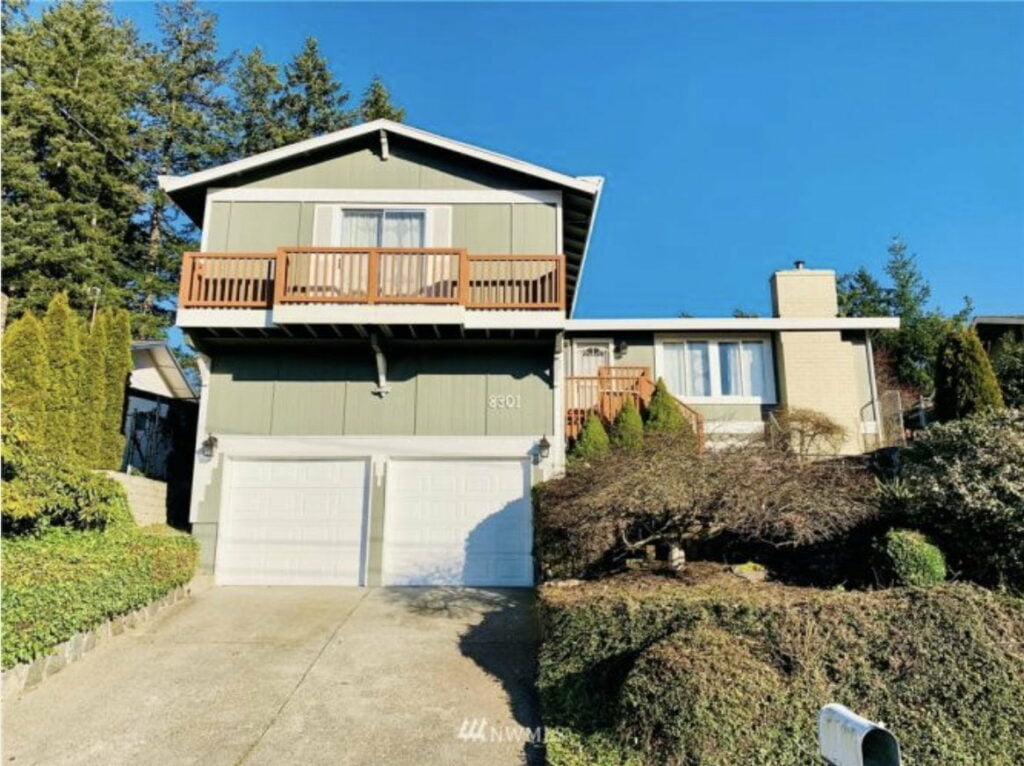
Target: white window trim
(714, 367)
(335, 210)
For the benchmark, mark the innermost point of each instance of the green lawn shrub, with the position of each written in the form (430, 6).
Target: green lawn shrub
(62, 582)
(664, 415)
(966, 485)
(628, 428)
(718, 671)
(906, 557)
(592, 442)
(964, 380)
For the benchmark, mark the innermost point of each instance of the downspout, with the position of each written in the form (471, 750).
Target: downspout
(382, 389)
(873, 387)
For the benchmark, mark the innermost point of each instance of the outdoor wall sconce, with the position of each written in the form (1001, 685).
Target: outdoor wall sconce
(621, 347)
(209, 446)
(543, 447)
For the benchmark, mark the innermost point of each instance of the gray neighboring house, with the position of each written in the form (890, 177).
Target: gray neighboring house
(390, 359)
(991, 328)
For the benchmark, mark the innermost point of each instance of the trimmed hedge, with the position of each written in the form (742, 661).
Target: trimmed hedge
(721, 671)
(592, 442)
(905, 557)
(65, 582)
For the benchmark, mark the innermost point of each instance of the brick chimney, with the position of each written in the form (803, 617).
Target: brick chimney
(802, 292)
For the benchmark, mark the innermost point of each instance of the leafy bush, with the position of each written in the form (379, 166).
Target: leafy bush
(720, 671)
(664, 415)
(64, 582)
(808, 432)
(964, 380)
(666, 494)
(966, 481)
(51, 493)
(1008, 365)
(593, 441)
(905, 557)
(628, 428)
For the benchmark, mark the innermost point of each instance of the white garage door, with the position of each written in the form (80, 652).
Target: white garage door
(293, 522)
(458, 522)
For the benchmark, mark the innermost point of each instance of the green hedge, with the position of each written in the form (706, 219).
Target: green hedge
(64, 582)
(724, 672)
(906, 557)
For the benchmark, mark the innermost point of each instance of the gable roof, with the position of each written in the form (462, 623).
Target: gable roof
(580, 193)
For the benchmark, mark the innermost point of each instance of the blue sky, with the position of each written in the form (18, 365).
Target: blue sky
(734, 138)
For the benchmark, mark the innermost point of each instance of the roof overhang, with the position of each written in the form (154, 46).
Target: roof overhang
(731, 324)
(156, 355)
(580, 194)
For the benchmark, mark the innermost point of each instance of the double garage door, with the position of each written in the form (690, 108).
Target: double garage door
(308, 522)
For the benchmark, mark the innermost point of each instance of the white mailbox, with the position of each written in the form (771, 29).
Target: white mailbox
(847, 739)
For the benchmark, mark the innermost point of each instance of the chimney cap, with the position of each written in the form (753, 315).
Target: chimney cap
(799, 265)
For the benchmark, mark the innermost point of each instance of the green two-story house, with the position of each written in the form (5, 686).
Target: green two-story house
(390, 361)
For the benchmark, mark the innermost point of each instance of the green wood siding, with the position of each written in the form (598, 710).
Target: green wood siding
(533, 229)
(482, 228)
(435, 389)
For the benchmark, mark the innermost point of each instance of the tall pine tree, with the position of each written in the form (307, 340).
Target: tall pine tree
(182, 110)
(313, 102)
(72, 83)
(254, 122)
(376, 103)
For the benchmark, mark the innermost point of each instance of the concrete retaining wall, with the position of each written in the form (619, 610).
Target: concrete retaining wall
(28, 675)
(147, 498)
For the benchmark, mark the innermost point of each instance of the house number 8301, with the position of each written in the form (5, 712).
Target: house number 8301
(505, 401)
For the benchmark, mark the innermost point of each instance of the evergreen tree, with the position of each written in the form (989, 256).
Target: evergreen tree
(376, 104)
(1008, 364)
(592, 442)
(964, 380)
(117, 360)
(62, 416)
(182, 111)
(913, 347)
(664, 415)
(254, 123)
(93, 394)
(628, 428)
(24, 385)
(72, 83)
(313, 102)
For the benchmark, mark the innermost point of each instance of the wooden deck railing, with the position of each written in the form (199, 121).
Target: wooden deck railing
(372, 275)
(607, 393)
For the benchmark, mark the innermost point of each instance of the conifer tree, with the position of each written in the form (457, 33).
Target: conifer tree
(313, 102)
(72, 84)
(376, 103)
(93, 395)
(964, 380)
(62, 416)
(24, 385)
(254, 122)
(117, 361)
(1008, 364)
(593, 441)
(183, 108)
(628, 428)
(664, 414)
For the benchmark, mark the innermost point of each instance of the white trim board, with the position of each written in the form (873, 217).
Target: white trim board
(171, 184)
(388, 196)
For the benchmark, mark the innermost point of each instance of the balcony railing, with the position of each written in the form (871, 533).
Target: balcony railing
(372, 276)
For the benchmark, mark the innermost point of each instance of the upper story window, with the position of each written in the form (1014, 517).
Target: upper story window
(367, 227)
(726, 370)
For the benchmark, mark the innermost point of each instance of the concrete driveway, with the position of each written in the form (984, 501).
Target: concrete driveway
(296, 675)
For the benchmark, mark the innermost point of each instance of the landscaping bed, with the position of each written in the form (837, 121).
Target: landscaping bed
(712, 669)
(63, 582)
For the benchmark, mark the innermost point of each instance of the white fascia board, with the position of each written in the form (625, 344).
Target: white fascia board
(223, 318)
(387, 196)
(729, 324)
(586, 244)
(513, 320)
(357, 313)
(171, 183)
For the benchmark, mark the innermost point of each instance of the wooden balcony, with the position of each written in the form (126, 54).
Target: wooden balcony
(315, 275)
(607, 393)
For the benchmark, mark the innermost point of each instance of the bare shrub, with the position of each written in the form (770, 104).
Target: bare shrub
(808, 432)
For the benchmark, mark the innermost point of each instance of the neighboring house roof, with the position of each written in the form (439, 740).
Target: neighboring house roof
(729, 324)
(1006, 319)
(156, 371)
(580, 193)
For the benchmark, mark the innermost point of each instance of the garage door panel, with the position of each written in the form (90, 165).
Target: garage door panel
(463, 522)
(293, 522)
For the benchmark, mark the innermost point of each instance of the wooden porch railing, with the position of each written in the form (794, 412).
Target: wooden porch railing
(372, 275)
(607, 393)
